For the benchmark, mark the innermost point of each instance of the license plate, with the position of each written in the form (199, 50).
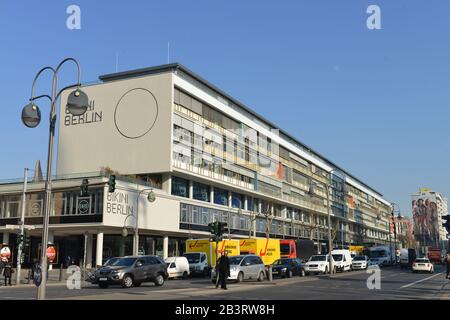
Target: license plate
(103, 279)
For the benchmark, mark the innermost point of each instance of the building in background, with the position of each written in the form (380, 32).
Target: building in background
(208, 158)
(428, 207)
(405, 232)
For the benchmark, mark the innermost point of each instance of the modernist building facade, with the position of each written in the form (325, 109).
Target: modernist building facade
(206, 156)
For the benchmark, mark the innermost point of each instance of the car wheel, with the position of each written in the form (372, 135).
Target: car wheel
(213, 281)
(289, 273)
(159, 280)
(326, 270)
(205, 272)
(302, 273)
(127, 281)
(185, 275)
(103, 285)
(261, 276)
(240, 277)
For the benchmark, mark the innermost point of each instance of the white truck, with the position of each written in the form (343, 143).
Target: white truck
(382, 255)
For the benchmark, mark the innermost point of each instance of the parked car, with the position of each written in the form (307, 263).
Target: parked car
(422, 264)
(360, 263)
(198, 263)
(342, 260)
(132, 271)
(244, 267)
(288, 267)
(376, 262)
(317, 264)
(177, 267)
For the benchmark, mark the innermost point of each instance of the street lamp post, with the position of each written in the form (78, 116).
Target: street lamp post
(77, 104)
(150, 198)
(395, 228)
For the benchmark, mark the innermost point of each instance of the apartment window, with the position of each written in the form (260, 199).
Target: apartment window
(221, 196)
(200, 192)
(237, 200)
(180, 187)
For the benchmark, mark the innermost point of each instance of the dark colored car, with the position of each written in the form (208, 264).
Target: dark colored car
(288, 267)
(132, 271)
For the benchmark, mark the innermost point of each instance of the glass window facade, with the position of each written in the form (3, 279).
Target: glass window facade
(180, 187)
(221, 196)
(201, 192)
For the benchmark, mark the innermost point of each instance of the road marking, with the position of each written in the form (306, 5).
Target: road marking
(421, 280)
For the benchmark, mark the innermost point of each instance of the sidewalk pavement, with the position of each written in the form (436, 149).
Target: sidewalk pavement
(53, 277)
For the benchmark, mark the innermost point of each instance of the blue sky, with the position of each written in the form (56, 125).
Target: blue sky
(376, 102)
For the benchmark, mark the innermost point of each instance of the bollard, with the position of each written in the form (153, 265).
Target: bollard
(29, 276)
(269, 274)
(60, 272)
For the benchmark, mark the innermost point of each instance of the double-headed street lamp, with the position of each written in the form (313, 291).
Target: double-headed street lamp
(77, 104)
(150, 198)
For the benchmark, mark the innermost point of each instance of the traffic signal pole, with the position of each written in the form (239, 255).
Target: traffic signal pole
(22, 225)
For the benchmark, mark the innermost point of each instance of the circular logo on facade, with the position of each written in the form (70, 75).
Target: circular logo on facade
(83, 206)
(136, 113)
(35, 209)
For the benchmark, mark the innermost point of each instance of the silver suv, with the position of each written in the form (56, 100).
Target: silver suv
(132, 271)
(245, 267)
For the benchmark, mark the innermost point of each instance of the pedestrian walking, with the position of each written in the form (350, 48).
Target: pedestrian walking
(448, 265)
(7, 273)
(223, 270)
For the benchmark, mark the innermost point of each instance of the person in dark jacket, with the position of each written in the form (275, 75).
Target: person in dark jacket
(448, 265)
(2, 265)
(223, 270)
(7, 273)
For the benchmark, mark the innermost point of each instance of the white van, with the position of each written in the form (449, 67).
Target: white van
(198, 263)
(342, 260)
(177, 267)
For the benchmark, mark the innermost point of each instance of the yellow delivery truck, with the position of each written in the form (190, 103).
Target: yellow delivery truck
(267, 249)
(208, 248)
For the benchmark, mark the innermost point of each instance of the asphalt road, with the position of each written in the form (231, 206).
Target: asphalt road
(395, 284)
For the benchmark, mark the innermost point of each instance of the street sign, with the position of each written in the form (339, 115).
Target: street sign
(17, 227)
(5, 253)
(51, 253)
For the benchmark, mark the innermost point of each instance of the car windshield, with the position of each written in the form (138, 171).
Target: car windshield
(284, 248)
(282, 262)
(378, 253)
(111, 261)
(317, 258)
(192, 257)
(235, 260)
(337, 257)
(123, 262)
(359, 258)
(422, 260)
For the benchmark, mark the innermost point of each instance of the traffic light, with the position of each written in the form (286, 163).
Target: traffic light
(84, 187)
(19, 239)
(212, 227)
(27, 241)
(447, 222)
(112, 183)
(221, 228)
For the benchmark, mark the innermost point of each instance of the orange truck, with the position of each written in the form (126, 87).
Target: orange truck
(434, 255)
(301, 248)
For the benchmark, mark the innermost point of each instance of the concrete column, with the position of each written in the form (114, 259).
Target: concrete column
(284, 212)
(165, 247)
(191, 189)
(211, 194)
(99, 253)
(167, 183)
(230, 198)
(259, 206)
(5, 238)
(122, 247)
(89, 247)
(246, 203)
